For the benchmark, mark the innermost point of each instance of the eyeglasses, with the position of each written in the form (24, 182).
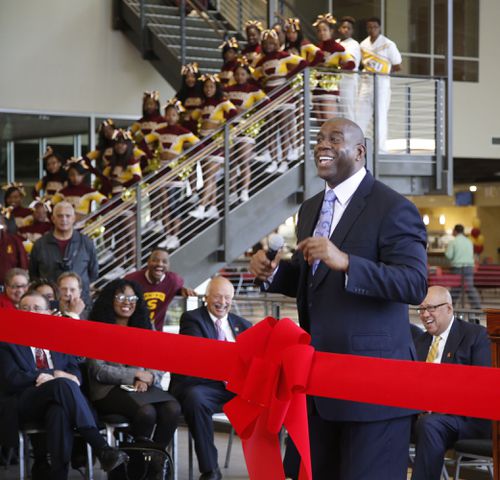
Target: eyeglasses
(121, 298)
(35, 308)
(429, 308)
(17, 287)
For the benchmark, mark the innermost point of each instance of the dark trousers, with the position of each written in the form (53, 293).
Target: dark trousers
(435, 433)
(467, 286)
(199, 403)
(61, 406)
(355, 450)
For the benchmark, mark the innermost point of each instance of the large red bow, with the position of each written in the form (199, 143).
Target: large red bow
(270, 379)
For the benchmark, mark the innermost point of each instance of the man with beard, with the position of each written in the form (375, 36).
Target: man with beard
(159, 285)
(201, 398)
(359, 262)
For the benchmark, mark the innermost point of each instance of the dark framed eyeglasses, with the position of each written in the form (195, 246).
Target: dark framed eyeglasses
(429, 308)
(122, 298)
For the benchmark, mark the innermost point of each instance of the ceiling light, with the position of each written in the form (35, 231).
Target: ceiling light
(442, 219)
(426, 219)
(473, 188)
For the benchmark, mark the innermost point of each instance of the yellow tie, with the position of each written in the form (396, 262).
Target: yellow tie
(433, 351)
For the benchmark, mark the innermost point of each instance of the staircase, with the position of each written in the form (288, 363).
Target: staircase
(157, 31)
(126, 228)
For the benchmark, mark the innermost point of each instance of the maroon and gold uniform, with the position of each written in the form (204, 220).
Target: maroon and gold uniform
(175, 139)
(80, 196)
(309, 52)
(226, 74)
(23, 216)
(34, 231)
(50, 184)
(251, 53)
(273, 69)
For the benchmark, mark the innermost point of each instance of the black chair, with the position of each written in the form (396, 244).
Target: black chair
(474, 453)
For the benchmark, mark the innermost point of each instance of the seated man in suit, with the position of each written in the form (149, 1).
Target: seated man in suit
(201, 398)
(38, 385)
(446, 340)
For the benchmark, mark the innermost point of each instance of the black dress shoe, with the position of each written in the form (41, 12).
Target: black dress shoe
(40, 470)
(111, 458)
(212, 475)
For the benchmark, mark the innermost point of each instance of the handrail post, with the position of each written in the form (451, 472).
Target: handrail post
(138, 226)
(182, 26)
(375, 125)
(227, 186)
(408, 119)
(240, 16)
(143, 27)
(307, 131)
(439, 135)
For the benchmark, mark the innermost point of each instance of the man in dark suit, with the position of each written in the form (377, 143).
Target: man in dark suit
(42, 386)
(359, 262)
(201, 398)
(446, 340)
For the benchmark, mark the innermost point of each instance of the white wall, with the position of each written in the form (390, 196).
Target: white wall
(477, 105)
(62, 55)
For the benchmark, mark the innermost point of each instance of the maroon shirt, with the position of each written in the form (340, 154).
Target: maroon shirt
(12, 253)
(158, 295)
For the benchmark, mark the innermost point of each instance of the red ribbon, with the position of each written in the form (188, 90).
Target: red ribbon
(271, 367)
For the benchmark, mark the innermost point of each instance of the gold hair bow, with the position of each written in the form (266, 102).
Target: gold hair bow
(49, 151)
(6, 211)
(293, 24)
(17, 185)
(177, 104)
(230, 43)
(327, 17)
(254, 23)
(270, 34)
(76, 161)
(120, 134)
(155, 95)
(106, 123)
(40, 201)
(213, 77)
(190, 68)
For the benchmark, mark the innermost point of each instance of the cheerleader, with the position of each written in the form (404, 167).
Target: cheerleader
(244, 95)
(216, 110)
(326, 94)
(150, 121)
(54, 180)
(297, 45)
(230, 52)
(13, 200)
(174, 140)
(191, 96)
(41, 224)
(272, 70)
(77, 192)
(253, 29)
(104, 147)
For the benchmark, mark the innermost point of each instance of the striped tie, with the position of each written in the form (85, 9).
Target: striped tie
(324, 221)
(220, 331)
(433, 351)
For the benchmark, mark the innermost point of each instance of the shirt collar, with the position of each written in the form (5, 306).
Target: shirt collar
(345, 190)
(446, 333)
(214, 318)
(148, 278)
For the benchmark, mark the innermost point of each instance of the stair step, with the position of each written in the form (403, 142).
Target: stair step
(202, 32)
(192, 41)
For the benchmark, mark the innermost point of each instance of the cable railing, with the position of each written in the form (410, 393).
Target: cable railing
(173, 205)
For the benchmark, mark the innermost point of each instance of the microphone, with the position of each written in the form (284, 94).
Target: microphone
(275, 244)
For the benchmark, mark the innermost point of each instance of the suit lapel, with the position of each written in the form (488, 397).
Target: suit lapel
(309, 215)
(452, 343)
(349, 217)
(235, 326)
(208, 324)
(26, 356)
(422, 346)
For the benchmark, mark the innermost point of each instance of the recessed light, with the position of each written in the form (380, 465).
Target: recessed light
(473, 188)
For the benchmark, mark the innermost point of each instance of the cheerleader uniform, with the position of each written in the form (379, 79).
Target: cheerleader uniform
(251, 53)
(22, 216)
(119, 177)
(33, 232)
(335, 58)
(226, 74)
(50, 184)
(80, 196)
(192, 102)
(309, 52)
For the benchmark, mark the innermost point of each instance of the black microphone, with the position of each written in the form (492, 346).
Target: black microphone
(275, 244)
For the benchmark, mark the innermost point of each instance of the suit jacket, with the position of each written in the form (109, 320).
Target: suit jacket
(366, 311)
(17, 373)
(467, 344)
(198, 323)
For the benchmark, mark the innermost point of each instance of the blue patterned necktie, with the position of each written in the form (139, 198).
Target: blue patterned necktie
(324, 221)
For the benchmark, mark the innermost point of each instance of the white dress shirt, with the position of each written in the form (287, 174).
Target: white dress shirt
(442, 343)
(47, 354)
(225, 327)
(352, 46)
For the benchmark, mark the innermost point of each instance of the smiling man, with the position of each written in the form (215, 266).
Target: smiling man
(201, 398)
(159, 285)
(359, 262)
(447, 340)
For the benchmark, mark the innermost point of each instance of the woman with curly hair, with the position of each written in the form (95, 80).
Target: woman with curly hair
(141, 400)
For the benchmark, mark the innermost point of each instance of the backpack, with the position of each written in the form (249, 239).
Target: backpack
(147, 462)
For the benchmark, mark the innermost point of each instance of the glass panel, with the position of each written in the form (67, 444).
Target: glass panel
(360, 11)
(416, 66)
(463, 70)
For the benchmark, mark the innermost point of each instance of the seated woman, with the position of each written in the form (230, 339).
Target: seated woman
(144, 403)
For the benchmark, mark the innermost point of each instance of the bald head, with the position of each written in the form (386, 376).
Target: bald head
(219, 296)
(436, 311)
(340, 150)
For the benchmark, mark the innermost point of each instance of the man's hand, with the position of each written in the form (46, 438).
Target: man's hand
(188, 292)
(42, 378)
(69, 376)
(144, 376)
(261, 266)
(73, 305)
(141, 386)
(320, 248)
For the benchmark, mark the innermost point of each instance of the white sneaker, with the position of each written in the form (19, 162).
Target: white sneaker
(198, 212)
(272, 168)
(244, 195)
(170, 243)
(283, 167)
(194, 198)
(212, 213)
(264, 157)
(293, 154)
(233, 198)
